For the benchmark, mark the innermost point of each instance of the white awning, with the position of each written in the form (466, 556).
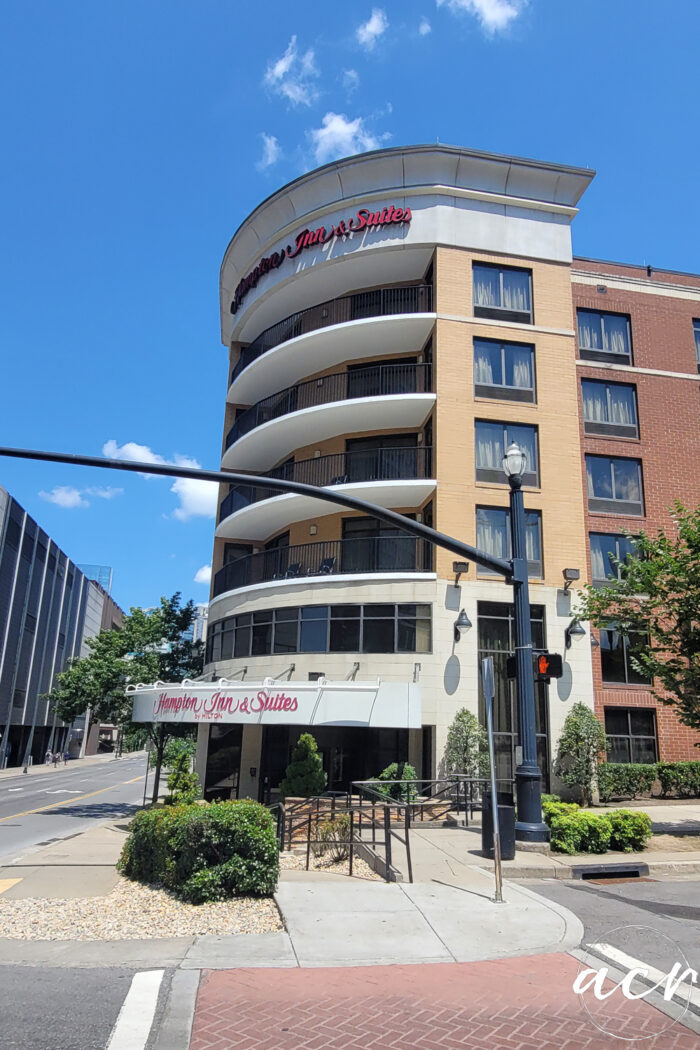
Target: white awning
(394, 705)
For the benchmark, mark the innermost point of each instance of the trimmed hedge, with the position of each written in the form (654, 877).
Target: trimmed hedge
(574, 831)
(204, 853)
(624, 779)
(679, 779)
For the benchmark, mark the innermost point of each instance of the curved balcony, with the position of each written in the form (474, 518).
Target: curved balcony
(379, 302)
(321, 561)
(378, 397)
(390, 477)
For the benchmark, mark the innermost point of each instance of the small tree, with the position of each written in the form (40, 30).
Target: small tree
(183, 783)
(304, 776)
(580, 743)
(466, 747)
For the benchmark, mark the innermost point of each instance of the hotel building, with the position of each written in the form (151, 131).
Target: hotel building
(393, 321)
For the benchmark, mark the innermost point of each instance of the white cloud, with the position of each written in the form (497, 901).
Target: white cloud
(351, 80)
(197, 498)
(292, 75)
(340, 137)
(369, 32)
(424, 27)
(68, 497)
(494, 15)
(203, 575)
(272, 151)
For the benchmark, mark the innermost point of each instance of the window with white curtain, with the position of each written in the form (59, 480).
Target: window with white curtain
(609, 408)
(614, 485)
(502, 291)
(491, 441)
(607, 550)
(696, 333)
(604, 336)
(493, 537)
(504, 370)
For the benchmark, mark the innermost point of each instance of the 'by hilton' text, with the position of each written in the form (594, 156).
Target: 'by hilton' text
(362, 220)
(219, 703)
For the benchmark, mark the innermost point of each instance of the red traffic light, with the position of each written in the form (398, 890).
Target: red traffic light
(548, 665)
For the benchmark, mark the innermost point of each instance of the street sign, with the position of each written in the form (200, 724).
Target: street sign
(487, 680)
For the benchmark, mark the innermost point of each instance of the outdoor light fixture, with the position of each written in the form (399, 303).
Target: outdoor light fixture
(514, 461)
(458, 568)
(462, 623)
(569, 576)
(595, 644)
(574, 629)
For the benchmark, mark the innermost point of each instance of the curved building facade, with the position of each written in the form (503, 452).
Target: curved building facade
(394, 320)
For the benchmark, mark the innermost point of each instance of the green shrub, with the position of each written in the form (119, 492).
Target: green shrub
(204, 852)
(400, 771)
(176, 746)
(679, 779)
(581, 741)
(624, 779)
(466, 747)
(334, 838)
(553, 806)
(305, 775)
(577, 832)
(183, 784)
(631, 830)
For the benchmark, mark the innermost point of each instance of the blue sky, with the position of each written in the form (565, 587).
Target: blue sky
(136, 137)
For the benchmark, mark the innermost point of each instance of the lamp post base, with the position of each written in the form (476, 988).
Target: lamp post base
(531, 832)
(529, 827)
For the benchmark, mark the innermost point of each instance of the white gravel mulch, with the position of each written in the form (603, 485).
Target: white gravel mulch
(297, 861)
(132, 911)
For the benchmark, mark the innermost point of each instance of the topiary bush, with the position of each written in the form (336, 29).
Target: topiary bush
(679, 779)
(582, 740)
(204, 853)
(625, 779)
(305, 775)
(183, 784)
(466, 747)
(401, 771)
(631, 830)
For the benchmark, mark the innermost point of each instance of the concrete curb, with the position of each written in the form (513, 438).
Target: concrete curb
(175, 1028)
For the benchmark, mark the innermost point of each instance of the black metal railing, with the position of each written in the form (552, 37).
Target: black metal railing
(380, 302)
(343, 468)
(373, 381)
(362, 554)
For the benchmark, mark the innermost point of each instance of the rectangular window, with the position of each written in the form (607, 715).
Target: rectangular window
(614, 485)
(493, 537)
(604, 337)
(502, 292)
(616, 651)
(504, 370)
(609, 409)
(313, 636)
(492, 439)
(631, 733)
(286, 631)
(604, 547)
(696, 333)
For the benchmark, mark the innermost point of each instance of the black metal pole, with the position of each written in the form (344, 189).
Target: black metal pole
(529, 826)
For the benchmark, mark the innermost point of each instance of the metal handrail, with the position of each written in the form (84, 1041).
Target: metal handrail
(380, 302)
(373, 381)
(363, 554)
(341, 468)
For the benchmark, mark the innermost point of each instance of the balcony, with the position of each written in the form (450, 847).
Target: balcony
(401, 554)
(380, 302)
(393, 396)
(391, 477)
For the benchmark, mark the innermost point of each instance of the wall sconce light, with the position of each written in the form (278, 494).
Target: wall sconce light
(459, 568)
(573, 630)
(313, 530)
(595, 644)
(569, 576)
(462, 623)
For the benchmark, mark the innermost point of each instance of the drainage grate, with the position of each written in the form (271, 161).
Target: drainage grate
(588, 872)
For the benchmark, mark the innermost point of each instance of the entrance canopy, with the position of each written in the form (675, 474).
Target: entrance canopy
(377, 704)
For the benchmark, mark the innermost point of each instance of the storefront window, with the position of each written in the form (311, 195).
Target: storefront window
(631, 733)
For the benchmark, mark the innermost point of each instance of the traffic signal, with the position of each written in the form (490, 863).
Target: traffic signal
(544, 666)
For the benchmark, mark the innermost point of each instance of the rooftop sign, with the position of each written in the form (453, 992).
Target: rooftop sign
(363, 219)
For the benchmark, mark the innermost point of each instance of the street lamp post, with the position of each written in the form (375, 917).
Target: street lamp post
(529, 826)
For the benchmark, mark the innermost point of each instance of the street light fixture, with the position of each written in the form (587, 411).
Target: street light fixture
(528, 778)
(573, 630)
(462, 623)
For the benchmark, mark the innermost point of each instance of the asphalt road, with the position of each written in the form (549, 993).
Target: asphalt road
(48, 804)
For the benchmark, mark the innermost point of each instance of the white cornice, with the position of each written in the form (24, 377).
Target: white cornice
(636, 284)
(633, 370)
(490, 322)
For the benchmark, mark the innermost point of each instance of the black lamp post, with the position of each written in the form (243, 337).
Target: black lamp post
(529, 826)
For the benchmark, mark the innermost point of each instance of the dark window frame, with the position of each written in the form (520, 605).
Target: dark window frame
(607, 428)
(535, 569)
(627, 681)
(531, 479)
(504, 391)
(696, 333)
(502, 313)
(598, 581)
(630, 736)
(592, 353)
(611, 504)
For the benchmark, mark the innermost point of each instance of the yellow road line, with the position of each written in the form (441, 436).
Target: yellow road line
(132, 781)
(7, 884)
(55, 805)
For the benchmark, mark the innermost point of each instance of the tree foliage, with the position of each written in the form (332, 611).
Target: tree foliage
(466, 748)
(657, 599)
(581, 741)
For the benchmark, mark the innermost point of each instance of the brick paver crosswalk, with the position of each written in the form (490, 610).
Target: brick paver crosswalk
(524, 1003)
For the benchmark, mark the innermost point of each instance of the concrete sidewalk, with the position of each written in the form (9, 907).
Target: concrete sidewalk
(73, 763)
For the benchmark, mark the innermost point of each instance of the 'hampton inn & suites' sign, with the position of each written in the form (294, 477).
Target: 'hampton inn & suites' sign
(362, 220)
(380, 704)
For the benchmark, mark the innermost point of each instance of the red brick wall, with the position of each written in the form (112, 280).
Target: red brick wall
(668, 444)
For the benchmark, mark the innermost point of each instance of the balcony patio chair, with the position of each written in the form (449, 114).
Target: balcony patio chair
(339, 479)
(326, 567)
(293, 571)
